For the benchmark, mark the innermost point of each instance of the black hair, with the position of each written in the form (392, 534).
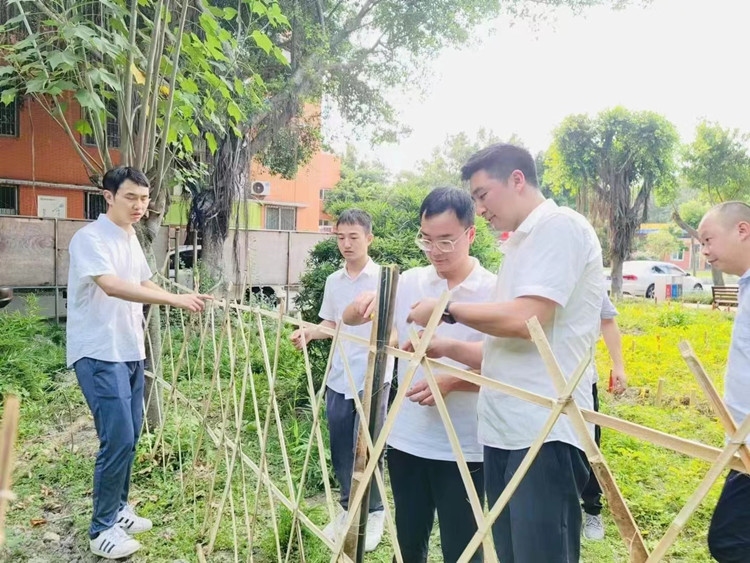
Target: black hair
(114, 178)
(499, 161)
(445, 199)
(356, 217)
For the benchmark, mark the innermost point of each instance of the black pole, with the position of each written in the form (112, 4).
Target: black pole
(384, 324)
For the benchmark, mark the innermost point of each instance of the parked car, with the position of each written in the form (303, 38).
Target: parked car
(639, 277)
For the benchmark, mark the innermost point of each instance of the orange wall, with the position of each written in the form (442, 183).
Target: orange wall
(47, 155)
(322, 172)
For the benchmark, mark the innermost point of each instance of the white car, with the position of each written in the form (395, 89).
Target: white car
(639, 277)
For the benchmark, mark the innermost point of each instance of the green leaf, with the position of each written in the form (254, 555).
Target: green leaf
(83, 127)
(229, 14)
(36, 85)
(211, 140)
(262, 40)
(187, 143)
(99, 75)
(65, 59)
(239, 87)
(208, 23)
(234, 110)
(189, 85)
(8, 96)
(89, 100)
(194, 129)
(280, 56)
(259, 8)
(6, 70)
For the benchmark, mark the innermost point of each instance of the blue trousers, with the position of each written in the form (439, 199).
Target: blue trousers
(343, 428)
(114, 393)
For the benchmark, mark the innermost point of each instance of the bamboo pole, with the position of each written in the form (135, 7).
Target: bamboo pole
(7, 441)
(700, 493)
(720, 408)
(617, 505)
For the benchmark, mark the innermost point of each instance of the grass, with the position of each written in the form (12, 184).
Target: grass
(57, 447)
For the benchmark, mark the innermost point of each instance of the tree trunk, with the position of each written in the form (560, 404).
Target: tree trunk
(717, 277)
(214, 207)
(147, 231)
(616, 289)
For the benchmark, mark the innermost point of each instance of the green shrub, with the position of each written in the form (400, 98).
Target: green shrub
(31, 352)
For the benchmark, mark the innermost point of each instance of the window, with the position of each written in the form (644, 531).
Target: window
(679, 255)
(9, 125)
(113, 126)
(281, 218)
(325, 226)
(95, 205)
(324, 194)
(8, 200)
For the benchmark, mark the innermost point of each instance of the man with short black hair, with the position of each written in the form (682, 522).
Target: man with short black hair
(108, 281)
(425, 477)
(360, 273)
(551, 270)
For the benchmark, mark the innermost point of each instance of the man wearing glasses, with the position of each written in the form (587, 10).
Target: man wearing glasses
(422, 466)
(551, 270)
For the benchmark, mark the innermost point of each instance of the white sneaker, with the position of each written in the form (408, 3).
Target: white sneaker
(129, 521)
(335, 527)
(593, 527)
(375, 525)
(114, 543)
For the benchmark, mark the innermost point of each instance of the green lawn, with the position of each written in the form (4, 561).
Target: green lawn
(57, 445)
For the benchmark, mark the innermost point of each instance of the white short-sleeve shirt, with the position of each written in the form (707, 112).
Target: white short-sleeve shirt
(341, 290)
(418, 429)
(554, 254)
(737, 380)
(99, 326)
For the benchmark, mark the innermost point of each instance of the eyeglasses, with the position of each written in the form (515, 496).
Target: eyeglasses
(444, 246)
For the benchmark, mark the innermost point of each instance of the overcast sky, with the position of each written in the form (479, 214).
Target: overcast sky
(685, 59)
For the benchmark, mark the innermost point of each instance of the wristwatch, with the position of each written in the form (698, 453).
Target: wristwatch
(447, 317)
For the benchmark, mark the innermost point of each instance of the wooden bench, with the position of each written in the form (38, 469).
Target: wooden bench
(725, 295)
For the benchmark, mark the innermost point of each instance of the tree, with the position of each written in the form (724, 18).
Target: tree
(662, 244)
(355, 52)
(717, 164)
(163, 71)
(621, 158)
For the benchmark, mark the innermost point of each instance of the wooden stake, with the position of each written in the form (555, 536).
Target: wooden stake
(7, 441)
(659, 392)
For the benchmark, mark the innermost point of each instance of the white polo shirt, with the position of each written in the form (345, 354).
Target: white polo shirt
(737, 380)
(554, 254)
(419, 430)
(99, 326)
(340, 291)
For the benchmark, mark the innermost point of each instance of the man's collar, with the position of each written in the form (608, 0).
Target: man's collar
(106, 223)
(542, 210)
(371, 269)
(470, 283)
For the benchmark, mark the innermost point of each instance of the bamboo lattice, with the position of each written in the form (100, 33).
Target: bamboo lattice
(223, 430)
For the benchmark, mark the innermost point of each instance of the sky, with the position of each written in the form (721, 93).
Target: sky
(685, 59)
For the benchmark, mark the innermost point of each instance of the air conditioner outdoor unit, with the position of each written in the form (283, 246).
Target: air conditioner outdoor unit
(258, 188)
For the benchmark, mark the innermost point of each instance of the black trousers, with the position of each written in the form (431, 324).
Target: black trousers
(420, 487)
(729, 533)
(542, 521)
(591, 496)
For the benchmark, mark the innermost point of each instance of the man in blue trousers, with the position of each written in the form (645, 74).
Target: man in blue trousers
(108, 283)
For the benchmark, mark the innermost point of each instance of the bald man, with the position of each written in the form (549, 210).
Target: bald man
(725, 237)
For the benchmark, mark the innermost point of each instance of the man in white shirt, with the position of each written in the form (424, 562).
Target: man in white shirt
(725, 236)
(423, 471)
(359, 274)
(108, 283)
(552, 270)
